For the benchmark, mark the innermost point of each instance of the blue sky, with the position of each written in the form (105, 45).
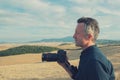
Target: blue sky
(29, 20)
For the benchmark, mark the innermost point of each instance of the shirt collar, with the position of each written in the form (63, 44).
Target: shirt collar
(87, 50)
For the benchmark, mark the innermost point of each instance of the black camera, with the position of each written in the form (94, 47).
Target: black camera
(59, 56)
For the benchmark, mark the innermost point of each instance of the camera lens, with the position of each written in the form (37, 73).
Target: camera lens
(43, 57)
(49, 57)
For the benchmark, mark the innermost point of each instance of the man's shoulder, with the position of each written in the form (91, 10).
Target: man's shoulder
(97, 54)
(91, 50)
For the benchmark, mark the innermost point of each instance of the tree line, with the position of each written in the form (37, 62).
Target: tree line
(26, 49)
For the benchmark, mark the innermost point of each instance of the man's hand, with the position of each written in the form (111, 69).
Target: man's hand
(62, 57)
(63, 61)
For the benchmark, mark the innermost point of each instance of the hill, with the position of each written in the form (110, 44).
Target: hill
(70, 39)
(64, 39)
(24, 49)
(108, 42)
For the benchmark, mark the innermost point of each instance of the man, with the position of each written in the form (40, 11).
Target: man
(93, 64)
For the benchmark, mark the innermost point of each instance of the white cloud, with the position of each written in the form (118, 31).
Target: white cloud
(108, 21)
(37, 13)
(110, 35)
(84, 11)
(108, 11)
(115, 3)
(88, 2)
(17, 19)
(36, 5)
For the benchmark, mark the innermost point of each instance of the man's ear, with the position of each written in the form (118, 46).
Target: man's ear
(90, 36)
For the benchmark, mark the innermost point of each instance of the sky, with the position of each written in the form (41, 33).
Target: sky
(31, 20)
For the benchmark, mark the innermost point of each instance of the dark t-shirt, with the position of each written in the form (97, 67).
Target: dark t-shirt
(94, 65)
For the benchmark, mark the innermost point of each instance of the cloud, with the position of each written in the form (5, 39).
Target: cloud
(84, 11)
(17, 19)
(111, 35)
(88, 2)
(108, 11)
(36, 13)
(115, 3)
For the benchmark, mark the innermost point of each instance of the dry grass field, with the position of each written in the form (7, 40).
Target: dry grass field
(30, 66)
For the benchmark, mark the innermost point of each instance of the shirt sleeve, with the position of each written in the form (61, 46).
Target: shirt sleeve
(97, 71)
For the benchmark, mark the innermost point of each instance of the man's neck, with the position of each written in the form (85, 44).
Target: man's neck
(88, 45)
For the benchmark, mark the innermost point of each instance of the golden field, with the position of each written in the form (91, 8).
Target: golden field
(30, 66)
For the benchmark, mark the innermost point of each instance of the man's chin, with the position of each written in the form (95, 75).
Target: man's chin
(77, 45)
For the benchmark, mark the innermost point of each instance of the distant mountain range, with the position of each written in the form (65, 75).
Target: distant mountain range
(65, 39)
(106, 41)
(70, 39)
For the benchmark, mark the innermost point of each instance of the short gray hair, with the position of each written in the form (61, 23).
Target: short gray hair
(91, 26)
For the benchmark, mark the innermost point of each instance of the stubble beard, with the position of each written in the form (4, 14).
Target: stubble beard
(78, 43)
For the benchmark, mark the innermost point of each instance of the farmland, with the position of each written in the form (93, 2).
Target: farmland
(30, 67)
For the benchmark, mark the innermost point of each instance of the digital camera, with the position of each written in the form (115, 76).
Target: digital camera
(59, 56)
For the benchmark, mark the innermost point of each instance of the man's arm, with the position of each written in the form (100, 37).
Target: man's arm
(70, 69)
(66, 66)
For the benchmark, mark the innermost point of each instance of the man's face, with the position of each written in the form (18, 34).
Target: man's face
(80, 36)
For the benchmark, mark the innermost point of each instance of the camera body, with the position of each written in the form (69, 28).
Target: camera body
(59, 56)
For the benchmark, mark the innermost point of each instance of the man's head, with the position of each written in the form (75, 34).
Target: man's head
(86, 32)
